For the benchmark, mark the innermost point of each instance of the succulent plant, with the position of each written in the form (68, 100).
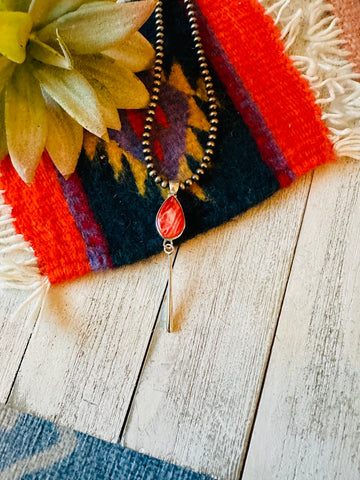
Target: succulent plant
(66, 65)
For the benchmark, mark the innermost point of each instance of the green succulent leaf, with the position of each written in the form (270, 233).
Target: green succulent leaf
(6, 70)
(46, 54)
(15, 28)
(17, 5)
(39, 9)
(127, 90)
(60, 7)
(25, 122)
(65, 138)
(99, 25)
(136, 53)
(64, 49)
(3, 144)
(108, 106)
(74, 94)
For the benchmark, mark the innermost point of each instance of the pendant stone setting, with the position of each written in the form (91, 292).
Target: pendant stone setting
(170, 220)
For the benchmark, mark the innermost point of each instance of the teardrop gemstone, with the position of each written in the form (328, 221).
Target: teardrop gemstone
(170, 220)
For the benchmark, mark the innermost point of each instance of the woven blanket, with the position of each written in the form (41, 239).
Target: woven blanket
(34, 449)
(288, 101)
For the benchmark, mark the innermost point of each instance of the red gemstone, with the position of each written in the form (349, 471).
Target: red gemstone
(170, 220)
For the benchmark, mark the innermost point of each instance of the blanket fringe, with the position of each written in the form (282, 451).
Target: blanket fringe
(313, 40)
(18, 267)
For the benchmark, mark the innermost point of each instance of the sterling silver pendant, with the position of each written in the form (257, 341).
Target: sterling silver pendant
(170, 223)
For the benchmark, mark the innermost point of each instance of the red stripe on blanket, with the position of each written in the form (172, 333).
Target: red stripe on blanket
(42, 216)
(253, 44)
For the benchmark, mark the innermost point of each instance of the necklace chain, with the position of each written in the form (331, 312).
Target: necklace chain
(159, 178)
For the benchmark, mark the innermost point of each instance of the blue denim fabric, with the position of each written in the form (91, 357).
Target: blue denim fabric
(34, 449)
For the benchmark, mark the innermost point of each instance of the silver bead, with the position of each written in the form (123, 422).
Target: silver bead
(164, 184)
(158, 179)
(152, 173)
(150, 166)
(148, 158)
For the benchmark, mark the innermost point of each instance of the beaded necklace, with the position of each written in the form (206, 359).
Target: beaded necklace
(170, 219)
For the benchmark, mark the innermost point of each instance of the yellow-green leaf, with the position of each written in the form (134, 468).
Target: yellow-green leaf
(108, 106)
(15, 28)
(25, 122)
(136, 53)
(64, 49)
(74, 94)
(99, 25)
(39, 9)
(60, 7)
(18, 5)
(46, 54)
(64, 140)
(127, 90)
(6, 70)
(3, 144)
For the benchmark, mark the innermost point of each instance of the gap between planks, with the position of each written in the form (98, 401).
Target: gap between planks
(78, 382)
(189, 408)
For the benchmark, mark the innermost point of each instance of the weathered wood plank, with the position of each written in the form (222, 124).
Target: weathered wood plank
(308, 423)
(14, 336)
(199, 389)
(86, 351)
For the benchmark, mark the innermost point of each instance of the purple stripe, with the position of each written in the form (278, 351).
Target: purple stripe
(95, 242)
(269, 149)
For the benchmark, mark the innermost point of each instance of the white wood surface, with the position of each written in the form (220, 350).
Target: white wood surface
(221, 395)
(308, 424)
(85, 354)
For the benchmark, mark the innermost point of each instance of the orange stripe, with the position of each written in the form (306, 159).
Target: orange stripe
(253, 45)
(43, 218)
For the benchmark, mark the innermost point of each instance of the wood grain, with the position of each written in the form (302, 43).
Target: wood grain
(15, 335)
(308, 424)
(199, 389)
(85, 354)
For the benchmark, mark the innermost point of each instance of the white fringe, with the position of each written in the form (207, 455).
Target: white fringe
(313, 40)
(18, 267)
